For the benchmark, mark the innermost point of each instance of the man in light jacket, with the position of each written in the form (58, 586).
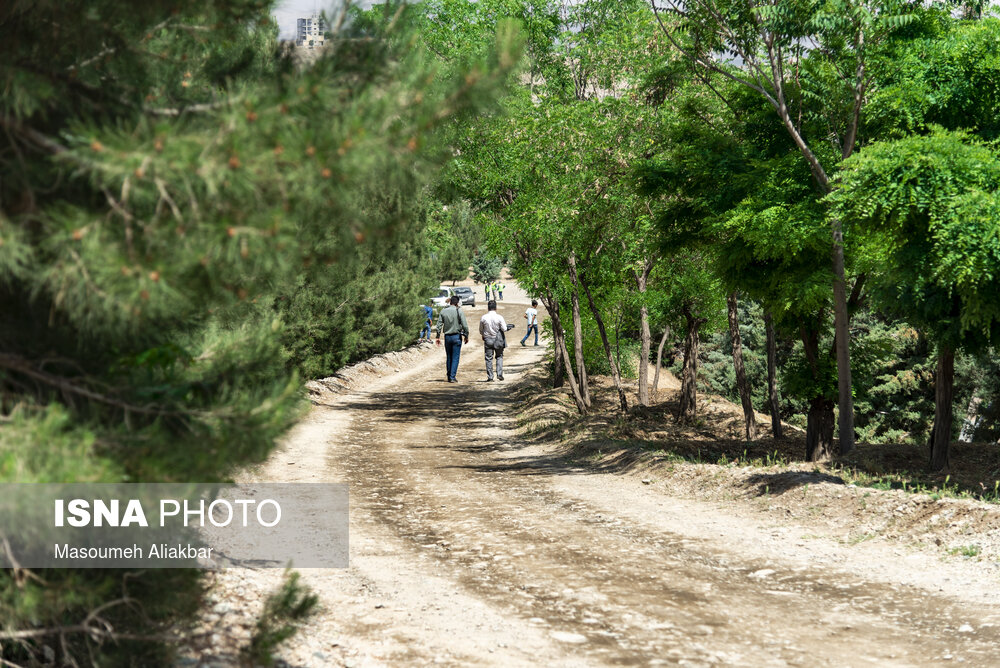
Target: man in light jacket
(492, 327)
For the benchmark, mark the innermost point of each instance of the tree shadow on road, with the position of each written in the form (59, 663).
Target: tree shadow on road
(779, 483)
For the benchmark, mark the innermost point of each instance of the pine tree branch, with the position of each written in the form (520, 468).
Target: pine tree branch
(193, 108)
(37, 138)
(21, 365)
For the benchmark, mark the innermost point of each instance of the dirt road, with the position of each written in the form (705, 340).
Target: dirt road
(469, 548)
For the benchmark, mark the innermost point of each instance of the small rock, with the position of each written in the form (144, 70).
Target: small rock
(762, 573)
(966, 628)
(567, 637)
(222, 608)
(647, 481)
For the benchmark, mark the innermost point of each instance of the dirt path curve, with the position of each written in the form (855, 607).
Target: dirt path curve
(469, 548)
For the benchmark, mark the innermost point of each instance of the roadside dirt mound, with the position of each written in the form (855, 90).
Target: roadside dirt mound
(357, 375)
(878, 493)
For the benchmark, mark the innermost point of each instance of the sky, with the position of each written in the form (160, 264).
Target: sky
(286, 11)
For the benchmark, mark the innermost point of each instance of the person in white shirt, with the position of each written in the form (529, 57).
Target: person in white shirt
(531, 315)
(493, 328)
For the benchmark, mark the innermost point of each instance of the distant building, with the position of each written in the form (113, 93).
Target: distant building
(310, 32)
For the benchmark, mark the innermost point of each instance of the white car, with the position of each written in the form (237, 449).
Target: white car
(443, 296)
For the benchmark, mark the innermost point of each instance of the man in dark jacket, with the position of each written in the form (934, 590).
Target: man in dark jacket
(452, 321)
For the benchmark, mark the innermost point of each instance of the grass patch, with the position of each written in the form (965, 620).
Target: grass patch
(968, 551)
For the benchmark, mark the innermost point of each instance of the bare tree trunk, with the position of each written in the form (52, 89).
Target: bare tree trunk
(644, 346)
(689, 376)
(560, 340)
(973, 416)
(659, 357)
(819, 420)
(944, 385)
(641, 278)
(615, 375)
(581, 367)
(819, 430)
(772, 376)
(749, 419)
(843, 341)
(558, 373)
(618, 336)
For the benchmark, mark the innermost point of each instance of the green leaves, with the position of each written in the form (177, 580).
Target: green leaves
(937, 200)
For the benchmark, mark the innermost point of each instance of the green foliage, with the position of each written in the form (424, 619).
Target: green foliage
(933, 201)
(949, 76)
(339, 317)
(621, 335)
(716, 372)
(453, 236)
(284, 611)
(179, 196)
(486, 268)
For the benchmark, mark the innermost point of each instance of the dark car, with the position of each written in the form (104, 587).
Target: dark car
(467, 296)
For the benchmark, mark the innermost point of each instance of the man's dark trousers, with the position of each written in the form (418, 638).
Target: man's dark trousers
(452, 351)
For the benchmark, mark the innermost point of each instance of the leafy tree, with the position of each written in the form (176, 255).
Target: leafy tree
(763, 234)
(934, 202)
(695, 297)
(814, 66)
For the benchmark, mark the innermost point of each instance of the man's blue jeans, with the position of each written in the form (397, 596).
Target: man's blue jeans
(452, 350)
(528, 333)
(425, 333)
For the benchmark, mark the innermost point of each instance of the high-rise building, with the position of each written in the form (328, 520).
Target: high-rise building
(310, 32)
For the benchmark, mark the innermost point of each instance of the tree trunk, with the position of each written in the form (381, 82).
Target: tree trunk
(615, 376)
(641, 277)
(659, 357)
(845, 399)
(581, 367)
(618, 336)
(558, 374)
(772, 376)
(644, 346)
(559, 337)
(819, 430)
(819, 420)
(973, 416)
(689, 376)
(944, 385)
(749, 419)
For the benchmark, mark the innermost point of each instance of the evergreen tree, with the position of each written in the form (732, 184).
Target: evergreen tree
(486, 267)
(165, 171)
